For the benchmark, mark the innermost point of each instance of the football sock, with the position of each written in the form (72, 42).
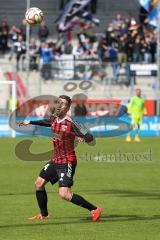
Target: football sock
(138, 130)
(80, 201)
(130, 133)
(42, 199)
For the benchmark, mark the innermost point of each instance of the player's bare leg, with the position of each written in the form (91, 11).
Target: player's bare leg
(41, 196)
(66, 194)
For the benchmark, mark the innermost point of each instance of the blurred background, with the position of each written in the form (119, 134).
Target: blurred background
(105, 52)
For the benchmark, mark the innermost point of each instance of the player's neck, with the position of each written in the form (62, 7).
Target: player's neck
(62, 116)
(61, 119)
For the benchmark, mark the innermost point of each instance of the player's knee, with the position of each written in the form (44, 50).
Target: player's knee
(63, 193)
(39, 184)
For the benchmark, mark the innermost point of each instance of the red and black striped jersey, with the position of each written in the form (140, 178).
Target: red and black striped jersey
(64, 132)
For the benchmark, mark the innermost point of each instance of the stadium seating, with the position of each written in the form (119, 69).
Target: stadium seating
(106, 11)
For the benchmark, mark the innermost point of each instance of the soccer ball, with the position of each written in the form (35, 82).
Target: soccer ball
(34, 16)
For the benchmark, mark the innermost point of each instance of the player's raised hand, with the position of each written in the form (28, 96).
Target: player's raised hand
(24, 123)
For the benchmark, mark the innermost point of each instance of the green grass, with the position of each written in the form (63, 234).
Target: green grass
(127, 189)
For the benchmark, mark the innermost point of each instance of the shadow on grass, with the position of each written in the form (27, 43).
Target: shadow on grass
(150, 195)
(77, 220)
(21, 193)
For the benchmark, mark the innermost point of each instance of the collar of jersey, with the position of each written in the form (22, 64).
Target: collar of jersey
(61, 120)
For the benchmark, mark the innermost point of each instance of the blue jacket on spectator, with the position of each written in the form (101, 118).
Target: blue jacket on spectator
(46, 55)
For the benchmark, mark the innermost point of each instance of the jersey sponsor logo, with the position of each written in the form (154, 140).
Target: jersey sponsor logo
(63, 128)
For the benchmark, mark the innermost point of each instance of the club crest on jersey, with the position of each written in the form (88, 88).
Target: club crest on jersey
(56, 136)
(64, 128)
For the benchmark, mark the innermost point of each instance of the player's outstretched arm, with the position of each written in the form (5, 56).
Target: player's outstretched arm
(45, 123)
(83, 134)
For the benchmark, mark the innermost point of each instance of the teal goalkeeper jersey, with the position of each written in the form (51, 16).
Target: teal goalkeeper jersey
(136, 107)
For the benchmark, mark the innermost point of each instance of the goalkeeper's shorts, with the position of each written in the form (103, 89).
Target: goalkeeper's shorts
(137, 120)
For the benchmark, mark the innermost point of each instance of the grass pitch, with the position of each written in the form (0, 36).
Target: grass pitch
(122, 178)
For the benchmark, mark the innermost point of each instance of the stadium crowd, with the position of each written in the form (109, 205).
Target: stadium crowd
(123, 41)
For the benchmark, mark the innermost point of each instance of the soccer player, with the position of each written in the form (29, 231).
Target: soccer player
(136, 109)
(63, 164)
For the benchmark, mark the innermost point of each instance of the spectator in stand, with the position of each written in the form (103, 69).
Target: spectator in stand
(113, 51)
(123, 29)
(4, 33)
(124, 41)
(81, 38)
(131, 36)
(46, 53)
(153, 46)
(46, 58)
(20, 50)
(147, 50)
(142, 48)
(125, 33)
(13, 33)
(137, 50)
(88, 48)
(117, 22)
(122, 49)
(133, 32)
(78, 50)
(23, 29)
(101, 49)
(111, 38)
(33, 52)
(87, 44)
(52, 44)
(43, 32)
(13, 36)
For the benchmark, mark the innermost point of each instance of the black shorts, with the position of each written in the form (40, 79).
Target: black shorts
(62, 173)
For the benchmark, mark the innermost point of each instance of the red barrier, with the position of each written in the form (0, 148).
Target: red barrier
(100, 107)
(21, 89)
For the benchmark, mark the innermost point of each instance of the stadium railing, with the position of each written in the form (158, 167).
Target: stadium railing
(112, 75)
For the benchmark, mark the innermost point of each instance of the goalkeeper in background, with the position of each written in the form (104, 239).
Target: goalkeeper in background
(136, 108)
